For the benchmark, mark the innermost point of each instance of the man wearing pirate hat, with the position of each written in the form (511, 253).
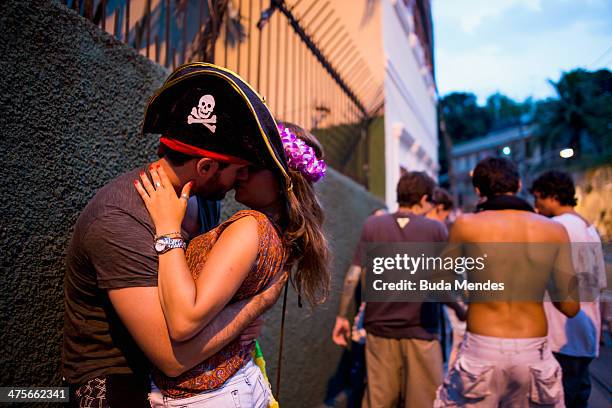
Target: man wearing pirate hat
(212, 125)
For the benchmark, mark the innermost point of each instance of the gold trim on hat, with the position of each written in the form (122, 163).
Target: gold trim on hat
(288, 183)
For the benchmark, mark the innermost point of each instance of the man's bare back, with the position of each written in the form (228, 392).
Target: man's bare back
(513, 319)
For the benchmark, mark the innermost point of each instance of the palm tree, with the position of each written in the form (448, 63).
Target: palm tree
(581, 113)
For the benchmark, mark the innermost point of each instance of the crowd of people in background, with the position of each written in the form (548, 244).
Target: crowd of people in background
(487, 354)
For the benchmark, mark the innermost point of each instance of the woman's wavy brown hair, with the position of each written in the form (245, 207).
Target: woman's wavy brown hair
(307, 254)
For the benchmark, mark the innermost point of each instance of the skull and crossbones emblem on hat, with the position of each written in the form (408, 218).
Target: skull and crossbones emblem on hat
(203, 113)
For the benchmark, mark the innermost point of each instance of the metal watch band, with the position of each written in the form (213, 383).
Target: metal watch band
(164, 244)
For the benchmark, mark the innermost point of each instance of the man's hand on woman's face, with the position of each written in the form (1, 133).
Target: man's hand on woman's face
(167, 210)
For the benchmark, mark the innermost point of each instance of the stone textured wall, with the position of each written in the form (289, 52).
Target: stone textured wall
(72, 99)
(594, 191)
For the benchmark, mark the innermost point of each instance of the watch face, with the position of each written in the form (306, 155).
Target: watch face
(160, 246)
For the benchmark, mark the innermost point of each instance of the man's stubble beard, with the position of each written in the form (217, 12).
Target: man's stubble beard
(213, 190)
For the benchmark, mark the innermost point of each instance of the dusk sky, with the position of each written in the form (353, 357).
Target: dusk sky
(514, 46)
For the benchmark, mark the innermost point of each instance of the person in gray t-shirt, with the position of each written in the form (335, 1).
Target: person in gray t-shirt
(213, 125)
(403, 351)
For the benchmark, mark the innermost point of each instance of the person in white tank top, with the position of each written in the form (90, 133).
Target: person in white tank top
(575, 341)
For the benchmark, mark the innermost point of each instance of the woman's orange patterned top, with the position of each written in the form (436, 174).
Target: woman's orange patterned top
(215, 371)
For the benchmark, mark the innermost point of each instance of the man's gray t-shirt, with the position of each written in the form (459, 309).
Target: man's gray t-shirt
(111, 247)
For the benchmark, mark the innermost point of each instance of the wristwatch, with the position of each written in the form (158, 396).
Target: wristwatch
(164, 244)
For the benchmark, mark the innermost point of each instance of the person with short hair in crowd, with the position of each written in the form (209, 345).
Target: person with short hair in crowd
(403, 352)
(575, 341)
(453, 328)
(505, 359)
(443, 206)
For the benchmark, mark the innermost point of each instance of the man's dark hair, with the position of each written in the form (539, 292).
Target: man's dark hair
(557, 185)
(174, 157)
(443, 197)
(495, 176)
(412, 186)
(177, 158)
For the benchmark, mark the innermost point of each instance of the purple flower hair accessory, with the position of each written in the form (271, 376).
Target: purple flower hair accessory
(301, 157)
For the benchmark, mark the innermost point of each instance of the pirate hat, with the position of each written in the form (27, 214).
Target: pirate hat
(206, 110)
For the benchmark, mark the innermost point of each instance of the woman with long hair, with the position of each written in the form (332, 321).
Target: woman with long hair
(280, 234)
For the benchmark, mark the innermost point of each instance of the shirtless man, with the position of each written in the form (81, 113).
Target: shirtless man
(505, 360)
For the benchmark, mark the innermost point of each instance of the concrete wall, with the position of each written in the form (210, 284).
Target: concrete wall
(72, 99)
(376, 157)
(594, 191)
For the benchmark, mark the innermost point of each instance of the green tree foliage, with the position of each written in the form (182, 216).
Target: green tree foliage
(463, 117)
(504, 111)
(580, 114)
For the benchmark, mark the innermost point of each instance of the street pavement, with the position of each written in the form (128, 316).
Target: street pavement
(601, 378)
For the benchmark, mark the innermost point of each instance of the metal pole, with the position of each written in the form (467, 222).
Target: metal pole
(184, 39)
(226, 42)
(345, 52)
(293, 77)
(103, 15)
(116, 29)
(269, 54)
(148, 26)
(332, 39)
(327, 31)
(250, 40)
(373, 92)
(303, 86)
(360, 72)
(295, 4)
(350, 66)
(340, 43)
(88, 9)
(167, 64)
(317, 15)
(277, 66)
(239, 42)
(259, 44)
(286, 69)
(308, 10)
(357, 73)
(325, 62)
(308, 89)
(322, 23)
(127, 21)
(363, 81)
(156, 48)
(368, 88)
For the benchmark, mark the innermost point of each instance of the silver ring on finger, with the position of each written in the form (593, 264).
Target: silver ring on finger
(157, 184)
(185, 196)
